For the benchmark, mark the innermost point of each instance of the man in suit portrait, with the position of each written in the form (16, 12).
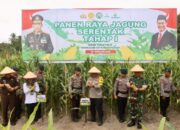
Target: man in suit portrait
(38, 40)
(163, 37)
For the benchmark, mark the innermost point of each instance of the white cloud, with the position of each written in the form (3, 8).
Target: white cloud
(10, 10)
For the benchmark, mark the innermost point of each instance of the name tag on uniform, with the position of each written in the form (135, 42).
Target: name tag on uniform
(85, 102)
(43, 40)
(41, 98)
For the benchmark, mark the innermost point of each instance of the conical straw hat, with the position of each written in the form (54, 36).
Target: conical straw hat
(94, 70)
(137, 68)
(30, 75)
(7, 70)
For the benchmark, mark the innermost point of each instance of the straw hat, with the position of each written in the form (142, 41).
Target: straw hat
(30, 75)
(137, 68)
(94, 70)
(7, 70)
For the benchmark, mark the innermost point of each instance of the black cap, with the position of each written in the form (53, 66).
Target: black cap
(161, 17)
(37, 17)
(41, 67)
(77, 69)
(123, 71)
(167, 70)
(15, 68)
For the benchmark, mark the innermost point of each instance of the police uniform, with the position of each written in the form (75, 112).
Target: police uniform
(166, 88)
(136, 98)
(40, 40)
(121, 92)
(96, 96)
(76, 89)
(8, 99)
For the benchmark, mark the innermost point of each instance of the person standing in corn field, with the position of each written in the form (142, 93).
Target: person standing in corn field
(42, 89)
(137, 86)
(19, 94)
(30, 89)
(166, 88)
(95, 83)
(76, 90)
(121, 93)
(8, 86)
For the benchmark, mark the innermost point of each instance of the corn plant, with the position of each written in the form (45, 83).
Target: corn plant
(57, 80)
(162, 125)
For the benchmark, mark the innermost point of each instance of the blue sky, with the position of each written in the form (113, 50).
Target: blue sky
(10, 10)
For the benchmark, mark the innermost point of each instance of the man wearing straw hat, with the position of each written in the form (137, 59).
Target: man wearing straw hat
(8, 86)
(76, 90)
(95, 83)
(30, 89)
(137, 86)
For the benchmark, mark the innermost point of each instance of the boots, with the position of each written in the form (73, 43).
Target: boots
(139, 126)
(131, 123)
(100, 123)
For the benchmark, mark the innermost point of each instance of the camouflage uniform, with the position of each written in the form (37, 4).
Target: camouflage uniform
(76, 89)
(136, 99)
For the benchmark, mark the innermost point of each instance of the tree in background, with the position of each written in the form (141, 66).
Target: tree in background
(15, 41)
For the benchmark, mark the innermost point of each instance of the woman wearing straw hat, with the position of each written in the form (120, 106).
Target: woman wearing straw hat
(94, 83)
(30, 89)
(8, 87)
(137, 86)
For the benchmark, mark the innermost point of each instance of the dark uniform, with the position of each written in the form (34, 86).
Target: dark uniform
(76, 90)
(136, 99)
(40, 40)
(42, 90)
(19, 99)
(8, 99)
(19, 95)
(166, 88)
(121, 92)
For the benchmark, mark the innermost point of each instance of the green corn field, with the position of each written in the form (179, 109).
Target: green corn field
(57, 78)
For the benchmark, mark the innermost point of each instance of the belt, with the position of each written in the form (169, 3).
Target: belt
(167, 91)
(77, 88)
(122, 92)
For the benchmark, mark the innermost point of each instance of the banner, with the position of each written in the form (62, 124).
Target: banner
(73, 35)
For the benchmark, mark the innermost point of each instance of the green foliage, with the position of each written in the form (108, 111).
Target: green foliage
(31, 119)
(50, 121)
(161, 124)
(28, 123)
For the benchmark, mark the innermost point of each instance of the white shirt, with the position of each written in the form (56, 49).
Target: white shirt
(30, 97)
